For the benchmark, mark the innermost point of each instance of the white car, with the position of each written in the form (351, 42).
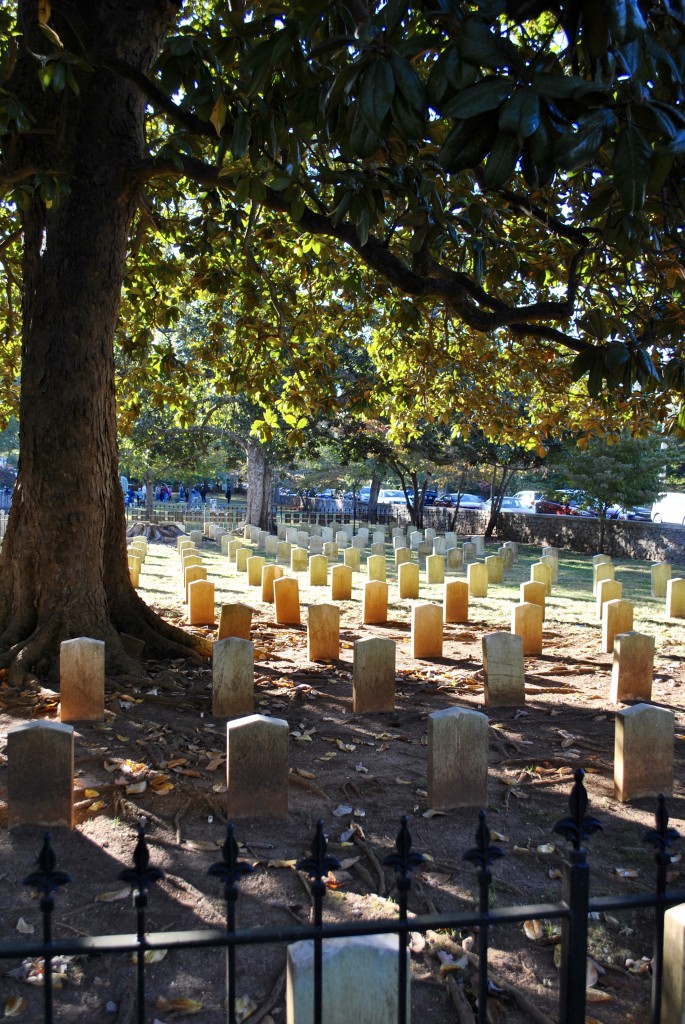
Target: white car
(389, 496)
(528, 498)
(670, 508)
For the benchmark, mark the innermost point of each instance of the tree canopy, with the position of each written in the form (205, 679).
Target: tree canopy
(489, 195)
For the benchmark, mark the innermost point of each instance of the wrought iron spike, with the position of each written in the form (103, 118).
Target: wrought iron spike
(405, 860)
(662, 836)
(483, 854)
(319, 864)
(230, 869)
(47, 880)
(578, 826)
(141, 875)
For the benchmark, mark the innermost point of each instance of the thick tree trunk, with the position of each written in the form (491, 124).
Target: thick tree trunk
(259, 486)
(63, 563)
(376, 480)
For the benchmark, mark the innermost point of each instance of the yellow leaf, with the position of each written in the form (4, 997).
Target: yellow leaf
(533, 930)
(115, 894)
(44, 11)
(281, 863)
(244, 1008)
(597, 995)
(163, 788)
(15, 1005)
(151, 956)
(304, 774)
(178, 1005)
(97, 806)
(91, 793)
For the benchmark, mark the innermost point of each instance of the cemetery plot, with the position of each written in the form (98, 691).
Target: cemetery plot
(361, 751)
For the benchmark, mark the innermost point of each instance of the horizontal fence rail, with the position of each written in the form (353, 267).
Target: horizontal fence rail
(572, 910)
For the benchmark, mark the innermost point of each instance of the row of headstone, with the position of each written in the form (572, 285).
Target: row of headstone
(40, 760)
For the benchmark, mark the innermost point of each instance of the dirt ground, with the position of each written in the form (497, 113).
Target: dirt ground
(360, 774)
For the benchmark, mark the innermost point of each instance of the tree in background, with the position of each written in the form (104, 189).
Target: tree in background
(613, 470)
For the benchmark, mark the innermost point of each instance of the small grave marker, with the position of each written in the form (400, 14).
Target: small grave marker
(257, 765)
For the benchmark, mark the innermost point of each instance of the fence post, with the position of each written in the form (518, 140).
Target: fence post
(139, 877)
(483, 855)
(47, 881)
(230, 870)
(576, 894)
(404, 862)
(317, 867)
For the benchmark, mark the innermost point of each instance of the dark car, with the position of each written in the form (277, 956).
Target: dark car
(465, 501)
(430, 497)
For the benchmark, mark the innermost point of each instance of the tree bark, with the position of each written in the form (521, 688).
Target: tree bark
(63, 564)
(259, 486)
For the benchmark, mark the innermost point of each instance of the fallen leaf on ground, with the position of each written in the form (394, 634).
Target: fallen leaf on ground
(112, 895)
(432, 813)
(178, 1005)
(533, 930)
(15, 1005)
(24, 928)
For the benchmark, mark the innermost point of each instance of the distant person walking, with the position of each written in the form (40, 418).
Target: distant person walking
(228, 494)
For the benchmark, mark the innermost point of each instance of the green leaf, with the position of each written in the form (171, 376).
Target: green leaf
(583, 363)
(242, 132)
(477, 99)
(408, 83)
(520, 115)
(501, 163)
(481, 46)
(675, 147)
(576, 147)
(631, 165)
(376, 93)
(468, 143)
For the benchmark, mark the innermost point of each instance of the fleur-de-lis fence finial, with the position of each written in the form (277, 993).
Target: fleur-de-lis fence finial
(579, 825)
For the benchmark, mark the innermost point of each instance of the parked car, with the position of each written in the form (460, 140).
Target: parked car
(465, 501)
(510, 503)
(362, 495)
(528, 498)
(391, 496)
(328, 493)
(430, 497)
(670, 508)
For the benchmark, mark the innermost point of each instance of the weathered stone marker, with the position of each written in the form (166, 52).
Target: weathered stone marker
(287, 601)
(468, 551)
(673, 984)
(318, 571)
(40, 774)
(360, 980)
(235, 620)
(526, 622)
(271, 546)
(553, 564)
(617, 617)
(82, 680)
(541, 573)
(633, 668)
(241, 557)
(426, 630)
(323, 632)
(435, 569)
(196, 537)
(455, 602)
(255, 564)
(374, 603)
(607, 590)
(402, 555)
(533, 592)
(352, 558)
(283, 549)
(232, 677)
(660, 575)
(201, 603)
(600, 559)
(375, 568)
(192, 573)
(675, 598)
(503, 670)
(315, 546)
(257, 766)
(495, 567)
(477, 576)
(643, 752)
(455, 558)
(269, 574)
(457, 759)
(341, 582)
(478, 540)
(373, 675)
(408, 580)
(602, 571)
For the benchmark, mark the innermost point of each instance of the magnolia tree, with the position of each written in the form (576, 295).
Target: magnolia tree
(523, 179)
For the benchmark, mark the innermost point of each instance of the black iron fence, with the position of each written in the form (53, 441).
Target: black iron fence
(572, 910)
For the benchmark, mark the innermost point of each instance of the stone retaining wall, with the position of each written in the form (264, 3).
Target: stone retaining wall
(622, 539)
